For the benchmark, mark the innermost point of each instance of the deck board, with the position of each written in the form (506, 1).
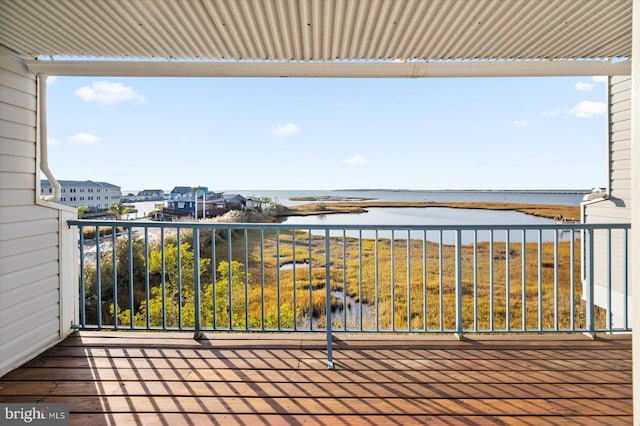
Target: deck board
(135, 378)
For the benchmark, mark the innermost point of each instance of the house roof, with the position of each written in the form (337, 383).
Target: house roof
(392, 34)
(85, 183)
(181, 190)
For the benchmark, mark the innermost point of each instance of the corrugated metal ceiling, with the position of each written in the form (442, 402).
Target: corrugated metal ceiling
(319, 30)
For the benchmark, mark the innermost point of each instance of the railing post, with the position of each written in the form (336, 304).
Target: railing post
(197, 334)
(327, 238)
(589, 293)
(458, 284)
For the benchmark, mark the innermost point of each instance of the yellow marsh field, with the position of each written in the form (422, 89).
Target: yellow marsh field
(422, 280)
(431, 277)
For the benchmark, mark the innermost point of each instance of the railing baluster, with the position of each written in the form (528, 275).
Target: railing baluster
(507, 257)
(310, 282)
(83, 291)
(162, 271)
(179, 257)
(440, 292)
(458, 278)
(360, 277)
(246, 280)
(376, 285)
(556, 294)
(609, 289)
(146, 277)
(214, 278)
(409, 279)
(572, 282)
(424, 280)
(262, 275)
(491, 318)
(540, 324)
(475, 280)
(393, 282)
(230, 283)
(99, 278)
(344, 278)
(524, 280)
(114, 258)
(589, 281)
(327, 237)
(131, 299)
(197, 333)
(278, 276)
(625, 275)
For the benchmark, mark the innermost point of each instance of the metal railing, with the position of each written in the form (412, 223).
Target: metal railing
(404, 279)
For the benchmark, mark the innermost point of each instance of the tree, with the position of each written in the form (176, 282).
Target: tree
(82, 210)
(119, 209)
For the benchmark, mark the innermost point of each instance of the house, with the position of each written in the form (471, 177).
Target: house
(253, 203)
(39, 304)
(179, 190)
(196, 203)
(74, 193)
(234, 201)
(151, 194)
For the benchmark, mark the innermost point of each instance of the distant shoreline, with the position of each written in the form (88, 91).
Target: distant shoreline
(508, 191)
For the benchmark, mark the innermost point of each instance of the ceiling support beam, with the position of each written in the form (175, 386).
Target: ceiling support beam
(334, 69)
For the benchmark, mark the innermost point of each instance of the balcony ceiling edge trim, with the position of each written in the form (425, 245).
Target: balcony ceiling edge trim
(329, 70)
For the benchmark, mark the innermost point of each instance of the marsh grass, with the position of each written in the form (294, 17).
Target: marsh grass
(414, 283)
(403, 283)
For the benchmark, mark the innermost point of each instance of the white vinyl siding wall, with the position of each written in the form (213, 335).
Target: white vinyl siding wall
(32, 236)
(617, 209)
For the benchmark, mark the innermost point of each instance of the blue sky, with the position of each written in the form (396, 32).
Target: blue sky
(289, 133)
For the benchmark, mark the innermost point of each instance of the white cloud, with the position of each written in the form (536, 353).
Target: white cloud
(84, 139)
(521, 123)
(356, 160)
(587, 109)
(53, 142)
(599, 78)
(584, 87)
(106, 93)
(287, 129)
(552, 113)
(51, 79)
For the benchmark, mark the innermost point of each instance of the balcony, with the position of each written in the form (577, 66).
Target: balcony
(190, 323)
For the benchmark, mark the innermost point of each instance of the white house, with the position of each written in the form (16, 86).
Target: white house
(76, 193)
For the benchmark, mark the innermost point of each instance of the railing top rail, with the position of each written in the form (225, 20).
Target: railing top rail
(285, 226)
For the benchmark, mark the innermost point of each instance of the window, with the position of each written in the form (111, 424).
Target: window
(63, 190)
(50, 190)
(63, 199)
(81, 198)
(81, 189)
(97, 198)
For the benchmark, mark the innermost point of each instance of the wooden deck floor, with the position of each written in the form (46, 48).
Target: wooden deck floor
(143, 378)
